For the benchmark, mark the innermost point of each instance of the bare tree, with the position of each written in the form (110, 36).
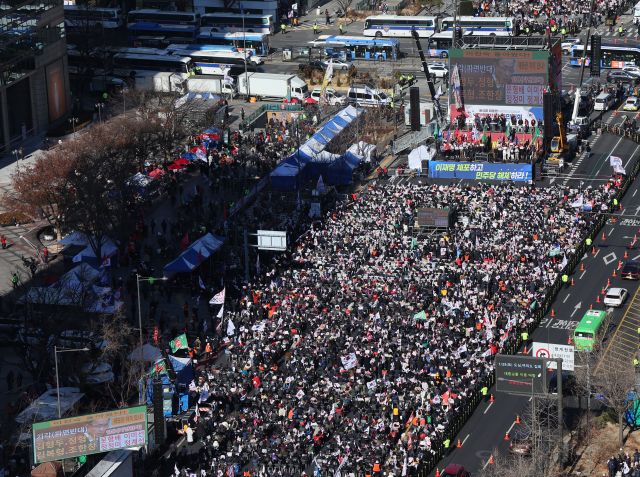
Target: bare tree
(431, 7)
(344, 6)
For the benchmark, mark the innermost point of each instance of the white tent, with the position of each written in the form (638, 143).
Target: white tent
(418, 155)
(45, 407)
(362, 149)
(149, 353)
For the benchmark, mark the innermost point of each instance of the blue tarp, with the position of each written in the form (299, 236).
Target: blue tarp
(184, 374)
(190, 258)
(314, 161)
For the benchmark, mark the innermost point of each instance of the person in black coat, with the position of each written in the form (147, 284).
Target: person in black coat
(201, 432)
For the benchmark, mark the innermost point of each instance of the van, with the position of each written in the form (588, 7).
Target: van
(366, 96)
(331, 95)
(604, 101)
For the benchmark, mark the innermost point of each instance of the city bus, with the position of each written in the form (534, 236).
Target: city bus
(195, 48)
(234, 22)
(589, 329)
(613, 56)
(258, 43)
(75, 16)
(150, 15)
(395, 25)
(364, 48)
(438, 45)
(155, 33)
(217, 62)
(483, 26)
(125, 64)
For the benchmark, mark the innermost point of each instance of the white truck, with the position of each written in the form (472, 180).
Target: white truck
(210, 84)
(161, 82)
(273, 86)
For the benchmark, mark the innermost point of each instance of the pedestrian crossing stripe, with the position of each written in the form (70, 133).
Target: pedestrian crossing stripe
(301, 28)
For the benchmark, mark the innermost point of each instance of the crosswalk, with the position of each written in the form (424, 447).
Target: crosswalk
(308, 25)
(629, 33)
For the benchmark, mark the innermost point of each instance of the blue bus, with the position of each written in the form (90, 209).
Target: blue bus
(613, 56)
(364, 48)
(155, 33)
(151, 15)
(438, 45)
(258, 43)
(233, 22)
(196, 48)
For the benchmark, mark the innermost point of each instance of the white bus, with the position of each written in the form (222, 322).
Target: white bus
(233, 22)
(75, 16)
(217, 62)
(483, 26)
(151, 15)
(125, 64)
(394, 25)
(636, 10)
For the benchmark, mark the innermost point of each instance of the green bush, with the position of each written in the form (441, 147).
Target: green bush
(607, 416)
(397, 74)
(338, 82)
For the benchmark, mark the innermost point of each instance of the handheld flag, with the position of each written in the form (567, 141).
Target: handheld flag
(219, 298)
(185, 241)
(179, 343)
(201, 284)
(320, 185)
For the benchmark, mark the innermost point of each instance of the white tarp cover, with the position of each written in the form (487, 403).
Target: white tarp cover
(418, 155)
(45, 407)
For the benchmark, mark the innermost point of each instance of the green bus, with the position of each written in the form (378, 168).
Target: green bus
(589, 328)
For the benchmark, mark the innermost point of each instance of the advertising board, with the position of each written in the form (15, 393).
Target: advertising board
(56, 90)
(552, 350)
(480, 171)
(89, 434)
(520, 374)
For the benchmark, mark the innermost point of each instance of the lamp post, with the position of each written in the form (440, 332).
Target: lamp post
(138, 280)
(55, 354)
(100, 106)
(17, 154)
(74, 121)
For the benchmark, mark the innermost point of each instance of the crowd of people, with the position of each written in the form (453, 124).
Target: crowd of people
(362, 344)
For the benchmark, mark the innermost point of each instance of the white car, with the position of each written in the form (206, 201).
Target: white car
(567, 44)
(632, 69)
(440, 70)
(332, 96)
(338, 64)
(616, 297)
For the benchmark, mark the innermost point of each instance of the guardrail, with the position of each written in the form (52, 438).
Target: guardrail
(514, 343)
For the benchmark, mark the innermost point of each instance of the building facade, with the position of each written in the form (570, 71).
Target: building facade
(34, 84)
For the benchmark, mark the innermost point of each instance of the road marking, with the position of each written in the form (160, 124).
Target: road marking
(549, 323)
(597, 252)
(490, 404)
(606, 257)
(634, 193)
(637, 257)
(567, 297)
(576, 309)
(611, 231)
(582, 275)
(513, 424)
(631, 157)
(465, 439)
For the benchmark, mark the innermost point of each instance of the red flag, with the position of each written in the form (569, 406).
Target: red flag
(200, 257)
(185, 241)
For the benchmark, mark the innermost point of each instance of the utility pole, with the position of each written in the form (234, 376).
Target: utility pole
(576, 99)
(560, 426)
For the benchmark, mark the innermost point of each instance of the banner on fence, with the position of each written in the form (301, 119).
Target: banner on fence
(479, 171)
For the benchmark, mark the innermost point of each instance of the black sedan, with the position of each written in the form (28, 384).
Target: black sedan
(622, 76)
(315, 65)
(630, 270)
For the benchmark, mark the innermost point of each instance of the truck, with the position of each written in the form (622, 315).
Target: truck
(580, 127)
(210, 84)
(273, 86)
(161, 82)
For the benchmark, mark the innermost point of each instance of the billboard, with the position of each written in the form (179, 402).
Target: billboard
(56, 90)
(480, 171)
(429, 217)
(520, 374)
(89, 434)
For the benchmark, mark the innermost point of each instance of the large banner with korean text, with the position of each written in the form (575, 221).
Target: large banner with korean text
(89, 434)
(480, 171)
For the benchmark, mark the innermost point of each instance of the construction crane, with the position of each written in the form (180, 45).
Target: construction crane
(562, 144)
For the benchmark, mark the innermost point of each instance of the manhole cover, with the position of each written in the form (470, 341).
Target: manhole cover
(483, 454)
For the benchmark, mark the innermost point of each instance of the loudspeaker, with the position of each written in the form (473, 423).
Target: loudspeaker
(537, 171)
(547, 110)
(596, 55)
(158, 411)
(414, 98)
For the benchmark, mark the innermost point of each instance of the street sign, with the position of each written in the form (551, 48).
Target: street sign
(272, 240)
(552, 350)
(521, 374)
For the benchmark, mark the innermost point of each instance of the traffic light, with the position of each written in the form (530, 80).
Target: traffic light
(596, 55)
(547, 111)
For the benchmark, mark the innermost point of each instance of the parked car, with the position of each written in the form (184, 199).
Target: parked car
(454, 470)
(568, 384)
(616, 297)
(622, 77)
(521, 443)
(315, 65)
(630, 270)
(337, 64)
(631, 69)
(567, 44)
(440, 70)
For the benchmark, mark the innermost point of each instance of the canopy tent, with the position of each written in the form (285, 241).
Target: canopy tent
(149, 354)
(48, 469)
(156, 173)
(419, 154)
(194, 254)
(180, 101)
(45, 407)
(363, 149)
(139, 180)
(312, 160)
(183, 368)
(108, 247)
(83, 272)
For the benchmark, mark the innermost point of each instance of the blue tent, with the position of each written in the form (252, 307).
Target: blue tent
(184, 374)
(190, 258)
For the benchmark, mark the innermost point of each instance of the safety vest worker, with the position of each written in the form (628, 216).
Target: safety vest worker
(341, 28)
(525, 336)
(565, 278)
(315, 28)
(283, 27)
(588, 241)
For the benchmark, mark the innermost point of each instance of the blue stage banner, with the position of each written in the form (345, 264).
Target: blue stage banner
(480, 171)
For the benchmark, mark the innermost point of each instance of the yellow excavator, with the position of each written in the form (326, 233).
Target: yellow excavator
(562, 145)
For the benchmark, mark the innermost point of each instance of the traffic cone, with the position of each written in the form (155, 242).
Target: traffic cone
(593, 250)
(572, 282)
(614, 273)
(582, 267)
(619, 264)
(603, 237)
(637, 115)
(598, 299)
(615, 42)
(608, 283)
(571, 87)
(626, 41)
(491, 400)
(603, 292)
(525, 350)
(625, 254)
(459, 444)
(437, 472)
(569, 342)
(614, 219)
(506, 436)
(591, 307)
(517, 419)
(491, 459)
(615, 113)
(621, 206)
(553, 313)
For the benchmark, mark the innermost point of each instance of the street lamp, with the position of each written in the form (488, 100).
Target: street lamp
(138, 280)
(74, 121)
(100, 106)
(55, 353)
